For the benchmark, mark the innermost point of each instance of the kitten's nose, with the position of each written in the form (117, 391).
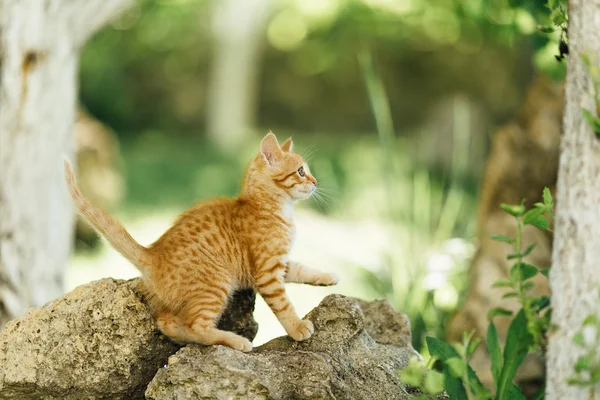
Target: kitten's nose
(314, 180)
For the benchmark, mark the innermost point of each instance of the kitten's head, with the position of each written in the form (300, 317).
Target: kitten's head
(283, 170)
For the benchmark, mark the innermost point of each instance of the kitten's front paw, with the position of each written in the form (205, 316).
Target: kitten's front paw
(301, 330)
(240, 343)
(329, 279)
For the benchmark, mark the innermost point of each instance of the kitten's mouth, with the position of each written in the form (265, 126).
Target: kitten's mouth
(308, 192)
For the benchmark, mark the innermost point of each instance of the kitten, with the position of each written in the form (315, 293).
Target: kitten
(220, 246)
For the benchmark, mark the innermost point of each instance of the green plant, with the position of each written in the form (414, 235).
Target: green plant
(535, 308)
(526, 333)
(558, 20)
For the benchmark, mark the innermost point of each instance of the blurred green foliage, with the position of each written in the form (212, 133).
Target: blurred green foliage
(147, 75)
(149, 69)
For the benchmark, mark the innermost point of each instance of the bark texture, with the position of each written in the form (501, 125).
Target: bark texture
(40, 42)
(574, 279)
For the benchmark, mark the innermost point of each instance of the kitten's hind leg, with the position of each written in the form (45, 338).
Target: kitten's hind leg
(172, 326)
(298, 273)
(201, 315)
(211, 335)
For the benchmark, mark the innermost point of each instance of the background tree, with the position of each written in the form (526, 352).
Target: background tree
(574, 277)
(40, 46)
(238, 27)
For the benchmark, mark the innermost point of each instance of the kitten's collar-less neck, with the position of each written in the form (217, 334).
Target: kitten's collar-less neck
(263, 196)
(256, 192)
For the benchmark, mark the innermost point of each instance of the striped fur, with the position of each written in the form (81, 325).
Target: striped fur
(220, 246)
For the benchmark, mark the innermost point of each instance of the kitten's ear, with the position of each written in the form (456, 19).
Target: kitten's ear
(288, 145)
(270, 150)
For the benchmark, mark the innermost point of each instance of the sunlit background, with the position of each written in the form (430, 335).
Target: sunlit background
(393, 102)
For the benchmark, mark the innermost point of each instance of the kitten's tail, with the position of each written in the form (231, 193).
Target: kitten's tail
(108, 226)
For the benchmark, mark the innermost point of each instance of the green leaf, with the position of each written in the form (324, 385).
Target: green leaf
(440, 349)
(545, 29)
(536, 218)
(457, 366)
(522, 271)
(460, 349)
(467, 336)
(540, 394)
(513, 210)
(443, 351)
(583, 363)
(579, 382)
(548, 200)
(412, 378)
(528, 285)
(514, 393)
(592, 120)
(454, 386)
(502, 238)
(518, 341)
(528, 271)
(413, 373)
(590, 320)
(532, 214)
(545, 272)
(510, 294)
(540, 302)
(498, 311)
(515, 3)
(529, 249)
(472, 346)
(558, 17)
(515, 272)
(434, 382)
(540, 222)
(527, 252)
(502, 283)
(493, 345)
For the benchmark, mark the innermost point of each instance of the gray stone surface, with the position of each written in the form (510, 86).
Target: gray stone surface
(355, 353)
(97, 342)
(100, 342)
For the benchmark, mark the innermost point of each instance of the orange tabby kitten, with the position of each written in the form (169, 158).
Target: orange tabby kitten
(220, 246)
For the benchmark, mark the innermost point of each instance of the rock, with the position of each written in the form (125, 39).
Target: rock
(238, 317)
(355, 353)
(97, 342)
(386, 325)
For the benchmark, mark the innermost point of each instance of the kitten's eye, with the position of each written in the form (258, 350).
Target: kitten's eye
(301, 171)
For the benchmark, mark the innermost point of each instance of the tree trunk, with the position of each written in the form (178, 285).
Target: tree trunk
(575, 278)
(40, 42)
(238, 26)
